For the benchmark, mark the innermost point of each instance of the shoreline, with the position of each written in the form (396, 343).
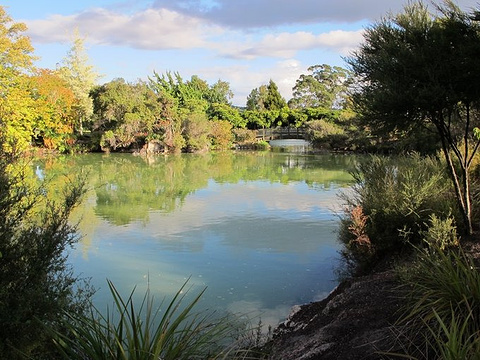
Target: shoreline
(355, 321)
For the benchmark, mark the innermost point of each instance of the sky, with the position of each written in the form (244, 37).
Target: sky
(244, 42)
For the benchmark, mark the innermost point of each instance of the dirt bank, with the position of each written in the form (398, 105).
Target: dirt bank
(353, 322)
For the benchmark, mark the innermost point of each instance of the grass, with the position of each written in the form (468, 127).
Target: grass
(170, 331)
(442, 313)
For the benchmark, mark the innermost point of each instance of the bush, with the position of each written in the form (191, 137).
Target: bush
(262, 145)
(322, 134)
(442, 313)
(397, 197)
(441, 233)
(221, 135)
(36, 284)
(197, 129)
(244, 136)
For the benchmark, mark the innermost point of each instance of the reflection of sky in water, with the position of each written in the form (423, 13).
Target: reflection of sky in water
(257, 246)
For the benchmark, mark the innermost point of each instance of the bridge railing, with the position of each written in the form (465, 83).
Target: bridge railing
(281, 133)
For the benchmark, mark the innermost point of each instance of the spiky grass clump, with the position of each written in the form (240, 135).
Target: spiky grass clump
(172, 331)
(443, 307)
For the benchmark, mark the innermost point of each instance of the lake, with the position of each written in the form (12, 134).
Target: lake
(257, 229)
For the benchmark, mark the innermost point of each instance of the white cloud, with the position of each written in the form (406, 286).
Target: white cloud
(244, 77)
(285, 45)
(151, 29)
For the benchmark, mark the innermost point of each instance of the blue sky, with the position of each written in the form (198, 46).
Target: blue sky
(244, 42)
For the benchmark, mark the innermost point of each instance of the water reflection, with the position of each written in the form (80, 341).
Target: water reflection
(257, 228)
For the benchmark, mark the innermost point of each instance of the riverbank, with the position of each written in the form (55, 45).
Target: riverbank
(353, 322)
(356, 321)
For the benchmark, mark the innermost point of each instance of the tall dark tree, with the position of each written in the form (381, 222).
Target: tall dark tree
(419, 67)
(273, 99)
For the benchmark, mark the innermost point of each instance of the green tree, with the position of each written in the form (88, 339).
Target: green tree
(418, 68)
(16, 103)
(254, 101)
(268, 102)
(325, 87)
(220, 93)
(125, 114)
(273, 100)
(222, 111)
(81, 77)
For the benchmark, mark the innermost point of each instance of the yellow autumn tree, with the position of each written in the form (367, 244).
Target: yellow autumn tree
(16, 103)
(55, 111)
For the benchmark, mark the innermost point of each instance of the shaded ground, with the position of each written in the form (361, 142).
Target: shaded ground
(353, 322)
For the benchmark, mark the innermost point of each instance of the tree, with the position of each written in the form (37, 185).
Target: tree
(221, 111)
(266, 97)
(81, 77)
(268, 101)
(325, 87)
(416, 68)
(273, 99)
(16, 104)
(54, 110)
(220, 93)
(125, 113)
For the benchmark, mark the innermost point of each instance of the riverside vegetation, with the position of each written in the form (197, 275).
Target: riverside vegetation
(416, 78)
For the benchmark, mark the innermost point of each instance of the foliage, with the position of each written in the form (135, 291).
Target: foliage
(264, 106)
(325, 87)
(262, 145)
(397, 196)
(16, 105)
(221, 135)
(170, 331)
(54, 109)
(36, 284)
(417, 68)
(81, 77)
(228, 113)
(441, 233)
(322, 133)
(190, 110)
(197, 132)
(244, 136)
(443, 304)
(125, 113)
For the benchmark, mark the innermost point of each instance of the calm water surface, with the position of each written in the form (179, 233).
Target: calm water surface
(257, 229)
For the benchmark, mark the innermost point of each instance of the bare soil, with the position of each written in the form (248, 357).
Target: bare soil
(356, 321)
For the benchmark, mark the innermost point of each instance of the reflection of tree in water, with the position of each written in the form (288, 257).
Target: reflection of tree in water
(127, 188)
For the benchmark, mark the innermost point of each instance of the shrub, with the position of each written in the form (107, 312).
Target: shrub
(244, 136)
(197, 130)
(36, 284)
(221, 135)
(397, 196)
(262, 145)
(441, 234)
(322, 133)
(442, 312)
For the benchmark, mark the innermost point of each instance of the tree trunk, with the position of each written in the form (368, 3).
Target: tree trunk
(462, 192)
